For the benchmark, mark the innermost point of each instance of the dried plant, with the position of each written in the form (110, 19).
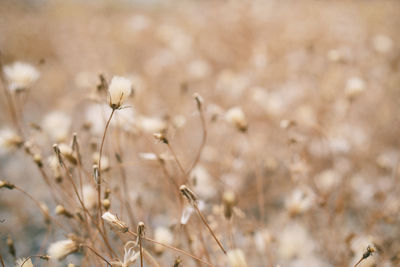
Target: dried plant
(220, 133)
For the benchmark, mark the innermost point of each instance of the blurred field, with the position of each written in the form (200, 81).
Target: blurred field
(315, 175)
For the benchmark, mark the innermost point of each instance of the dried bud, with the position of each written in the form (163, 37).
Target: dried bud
(6, 184)
(107, 193)
(106, 204)
(199, 100)
(229, 201)
(60, 210)
(140, 230)
(44, 257)
(366, 254)
(37, 158)
(114, 222)
(68, 153)
(191, 197)
(161, 137)
(46, 213)
(105, 163)
(28, 147)
(58, 153)
(236, 117)
(11, 247)
(61, 249)
(96, 174)
(103, 85)
(177, 262)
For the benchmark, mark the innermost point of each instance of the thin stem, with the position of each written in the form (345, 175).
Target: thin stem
(150, 259)
(209, 228)
(206, 254)
(99, 164)
(259, 180)
(103, 233)
(44, 257)
(203, 143)
(47, 181)
(127, 198)
(1, 260)
(10, 102)
(176, 158)
(185, 229)
(141, 251)
(38, 204)
(97, 254)
(75, 146)
(359, 262)
(173, 248)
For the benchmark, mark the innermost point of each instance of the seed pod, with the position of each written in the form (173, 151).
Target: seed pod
(114, 222)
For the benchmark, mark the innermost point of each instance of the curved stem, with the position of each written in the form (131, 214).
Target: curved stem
(97, 254)
(209, 228)
(1, 260)
(44, 257)
(99, 164)
(173, 248)
(203, 143)
(176, 159)
(99, 178)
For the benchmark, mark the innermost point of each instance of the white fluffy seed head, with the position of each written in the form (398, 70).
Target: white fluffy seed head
(300, 201)
(236, 117)
(114, 222)
(354, 87)
(162, 235)
(89, 196)
(9, 141)
(20, 75)
(151, 124)
(60, 249)
(119, 89)
(57, 124)
(236, 258)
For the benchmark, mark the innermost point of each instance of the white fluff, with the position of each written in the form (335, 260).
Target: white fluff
(236, 117)
(162, 235)
(119, 89)
(57, 124)
(89, 196)
(236, 258)
(9, 140)
(114, 222)
(151, 124)
(20, 75)
(61, 249)
(354, 87)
